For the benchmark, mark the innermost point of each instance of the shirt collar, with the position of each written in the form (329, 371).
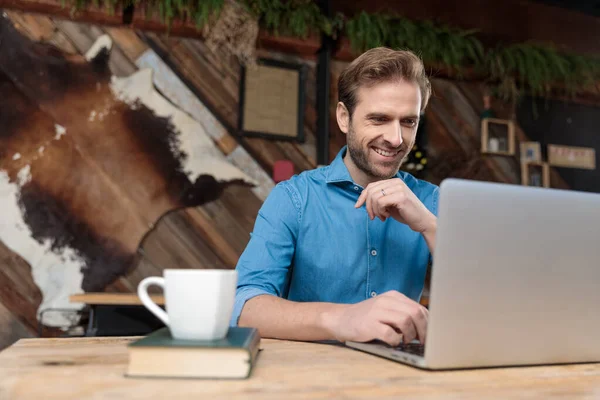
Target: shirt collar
(338, 172)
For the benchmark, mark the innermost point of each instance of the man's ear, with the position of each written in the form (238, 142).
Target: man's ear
(343, 117)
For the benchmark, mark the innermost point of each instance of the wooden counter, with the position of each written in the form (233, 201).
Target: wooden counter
(120, 299)
(93, 368)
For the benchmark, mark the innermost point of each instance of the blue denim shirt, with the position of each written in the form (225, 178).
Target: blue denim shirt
(310, 244)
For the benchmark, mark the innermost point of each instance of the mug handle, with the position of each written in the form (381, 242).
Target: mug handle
(147, 301)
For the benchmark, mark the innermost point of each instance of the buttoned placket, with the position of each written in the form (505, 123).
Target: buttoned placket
(371, 251)
(374, 240)
(372, 256)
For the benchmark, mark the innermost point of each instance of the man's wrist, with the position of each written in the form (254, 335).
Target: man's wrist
(431, 226)
(329, 319)
(429, 233)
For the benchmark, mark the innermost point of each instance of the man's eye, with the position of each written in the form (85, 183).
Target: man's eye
(410, 122)
(379, 119)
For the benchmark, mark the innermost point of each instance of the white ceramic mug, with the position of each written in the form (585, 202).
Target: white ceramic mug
(198, 302)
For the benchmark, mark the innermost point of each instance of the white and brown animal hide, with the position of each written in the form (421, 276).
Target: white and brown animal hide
(88, 164)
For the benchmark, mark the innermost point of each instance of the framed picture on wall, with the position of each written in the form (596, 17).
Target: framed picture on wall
(531, 152)
(272, 99)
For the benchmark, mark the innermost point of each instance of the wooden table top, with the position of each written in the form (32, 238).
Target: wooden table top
(123, 299)
(80, 368)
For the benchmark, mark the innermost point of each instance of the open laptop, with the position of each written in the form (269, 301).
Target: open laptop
(515, 279)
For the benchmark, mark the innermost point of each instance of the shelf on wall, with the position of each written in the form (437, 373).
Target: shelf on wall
(526, 174)
(497, 153)
(497, 136)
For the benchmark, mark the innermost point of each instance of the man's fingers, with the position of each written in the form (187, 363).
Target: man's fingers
(376, 199)
(425, 313)
(367, 203)
(420, 321)
(385, 215)
(382, 196)
(370, 204)
(397, 309)
(361, 199)
(389, 335)
(409, 329)
(378, 196)
(402, 322)
(365, 193)
(382, 204)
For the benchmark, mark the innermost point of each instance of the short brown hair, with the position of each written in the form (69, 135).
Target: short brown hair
(382, 64)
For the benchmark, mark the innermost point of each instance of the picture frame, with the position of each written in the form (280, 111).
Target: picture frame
(272, 100)
(535, 174)
(498, 136)
(531, 152)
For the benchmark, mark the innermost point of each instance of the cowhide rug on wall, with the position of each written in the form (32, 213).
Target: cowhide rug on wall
(89, 163)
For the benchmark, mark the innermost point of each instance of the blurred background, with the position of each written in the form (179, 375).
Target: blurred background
(139, 135)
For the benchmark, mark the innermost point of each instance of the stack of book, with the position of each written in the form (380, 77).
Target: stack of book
(160, 355)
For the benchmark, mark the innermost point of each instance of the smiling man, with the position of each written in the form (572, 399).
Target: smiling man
(341, 252)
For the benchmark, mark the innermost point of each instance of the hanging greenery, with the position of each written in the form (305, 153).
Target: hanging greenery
(435, 44)
(508, 69)
(297, 18)
(538, 69)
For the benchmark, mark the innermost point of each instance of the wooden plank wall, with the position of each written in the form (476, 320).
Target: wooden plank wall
(19, 298)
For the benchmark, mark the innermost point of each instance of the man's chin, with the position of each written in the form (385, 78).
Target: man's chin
(377, 170)
(391, 168)
(386, 173)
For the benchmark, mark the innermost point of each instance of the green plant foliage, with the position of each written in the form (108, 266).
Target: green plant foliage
(509, 69)
(435, 44)
(297, 18)
(200, 12)
(538, 69)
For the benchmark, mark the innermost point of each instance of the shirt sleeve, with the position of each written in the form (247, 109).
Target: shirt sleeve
(263, 267)
(435, 199)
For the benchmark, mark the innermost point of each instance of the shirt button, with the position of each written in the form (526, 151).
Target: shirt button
(373, 252)
(355, 187)
(373, 294)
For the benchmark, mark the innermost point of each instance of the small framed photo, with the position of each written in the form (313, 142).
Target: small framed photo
(497, 136)
(531, 152)
(272, 98)
(535, 174)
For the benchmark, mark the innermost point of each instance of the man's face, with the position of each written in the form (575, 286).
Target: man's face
(383, 127)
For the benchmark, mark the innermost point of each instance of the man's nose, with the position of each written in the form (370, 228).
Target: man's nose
(393, 135)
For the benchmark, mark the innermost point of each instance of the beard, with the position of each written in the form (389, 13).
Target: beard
(360, 158)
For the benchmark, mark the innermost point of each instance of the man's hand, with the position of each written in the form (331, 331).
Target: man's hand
(392, 198)
(391, 317)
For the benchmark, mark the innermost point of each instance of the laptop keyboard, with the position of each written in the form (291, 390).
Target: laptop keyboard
(417, 349)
